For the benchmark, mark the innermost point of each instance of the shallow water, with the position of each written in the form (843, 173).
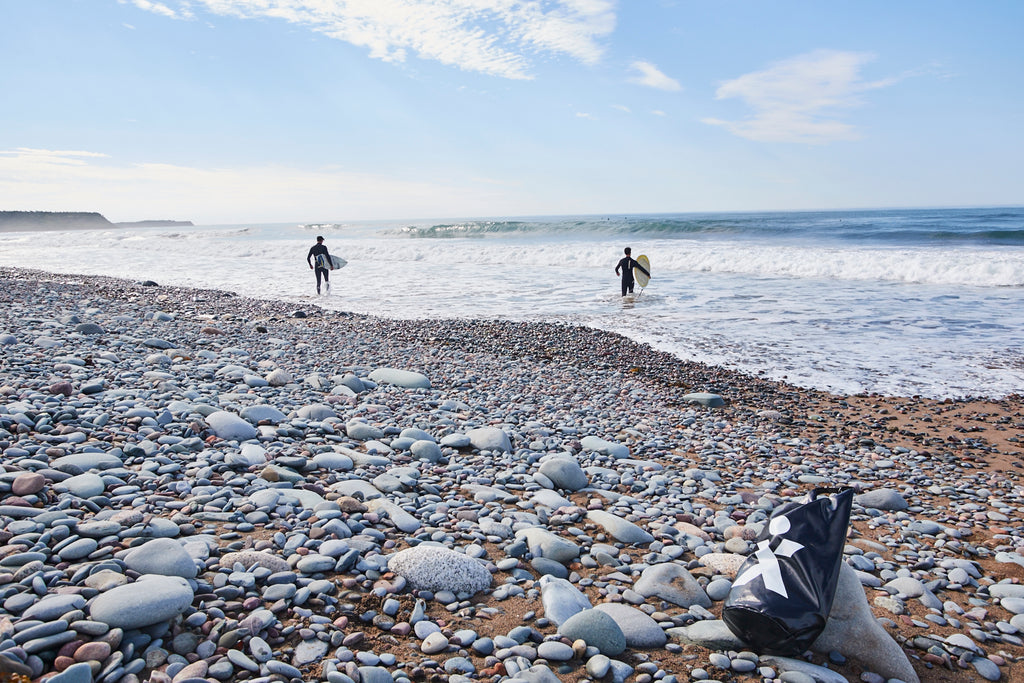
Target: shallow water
(900, 303)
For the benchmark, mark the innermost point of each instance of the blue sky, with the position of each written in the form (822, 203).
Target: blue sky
(231, 111)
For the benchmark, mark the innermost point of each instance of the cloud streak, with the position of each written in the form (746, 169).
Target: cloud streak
(651, 76)
(800, 99)
(493, 37)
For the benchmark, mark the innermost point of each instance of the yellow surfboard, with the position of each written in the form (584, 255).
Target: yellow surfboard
(638, 275)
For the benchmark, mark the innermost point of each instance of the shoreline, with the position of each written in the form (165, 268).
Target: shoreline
(548, 385)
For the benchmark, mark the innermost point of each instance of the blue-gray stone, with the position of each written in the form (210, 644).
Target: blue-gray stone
(544, 543)
(162, 556)
(710, 633)
(375, 674)
(80, 672)
(564, 472)
(671, 582)
(426, 450)
(84, 485)
(555, 651)
(406, 379)
(545, 566)
(599, 445)
(639, 629)
(622, 530)
(596, 628)
(262, 413)
(76, 550)
(53, 607)
(561, 599)
(489, 439)
(230, 427)
(86, 461)
(882, 499)
(705, 399)
(150, 600)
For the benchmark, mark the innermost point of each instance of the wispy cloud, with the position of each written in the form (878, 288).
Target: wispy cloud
(652, 77)
(160, 8)
(491, 37)
(800, 99)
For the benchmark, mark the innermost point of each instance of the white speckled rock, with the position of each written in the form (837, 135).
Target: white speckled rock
(435, 568)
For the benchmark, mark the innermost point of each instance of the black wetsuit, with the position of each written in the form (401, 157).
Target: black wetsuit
(314, 251)
(626, 263)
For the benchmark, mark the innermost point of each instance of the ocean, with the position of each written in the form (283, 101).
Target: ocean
(895, 302)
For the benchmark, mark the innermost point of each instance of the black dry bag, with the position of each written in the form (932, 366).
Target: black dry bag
(783, 593)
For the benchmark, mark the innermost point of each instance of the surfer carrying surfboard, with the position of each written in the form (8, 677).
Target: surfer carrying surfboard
(626, 264)
(320, 262)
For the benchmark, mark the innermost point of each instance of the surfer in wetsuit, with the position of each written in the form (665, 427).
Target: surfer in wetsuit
(626, 263)
(320, 261)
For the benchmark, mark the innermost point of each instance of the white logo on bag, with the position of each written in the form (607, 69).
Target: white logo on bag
(767, 566)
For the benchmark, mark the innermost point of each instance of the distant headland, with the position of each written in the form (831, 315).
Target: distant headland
(14, 221)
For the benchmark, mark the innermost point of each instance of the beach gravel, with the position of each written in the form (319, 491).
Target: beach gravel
(195, 486)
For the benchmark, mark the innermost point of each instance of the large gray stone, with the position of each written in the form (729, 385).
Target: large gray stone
(544, 543)
(162, 556)
(818, 674)
(705, 399)
(150, 600)
(614, 449)
(489, 439)
(639, 629)
(401, 378)
(230, 427)
(84, 485)
(316, 412)
(401, 519)
(262, 413)
(86, 461)
(710, 633)
(564, 472)
(852, 630)
(882, 499)
(673, 583)
(596, 628)
(620, 529)
(561, 599)
(435, 568)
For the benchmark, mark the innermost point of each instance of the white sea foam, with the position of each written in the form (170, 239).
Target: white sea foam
(937, 321)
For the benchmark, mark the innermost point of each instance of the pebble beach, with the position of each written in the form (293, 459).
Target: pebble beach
(197, 486)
